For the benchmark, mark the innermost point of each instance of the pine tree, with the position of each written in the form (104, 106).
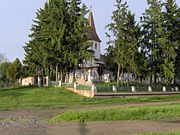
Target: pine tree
(159, 49)
(35, 55)
(150, 20)
(177, 62)
(124, 46)
(172, 24)
(172, 37)
(77, 39)
(58, 39)
(132, 42)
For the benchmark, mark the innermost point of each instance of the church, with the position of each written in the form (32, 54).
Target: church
(92, 69)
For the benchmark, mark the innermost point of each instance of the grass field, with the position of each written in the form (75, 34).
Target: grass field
(171, 111)
(169, 133)
(50, 97)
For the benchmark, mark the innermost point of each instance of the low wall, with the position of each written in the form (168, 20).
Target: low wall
(86, 93)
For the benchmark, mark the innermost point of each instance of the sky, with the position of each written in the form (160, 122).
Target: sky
(16, 19)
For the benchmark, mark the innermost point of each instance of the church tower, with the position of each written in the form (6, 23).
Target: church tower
(92, 68)
(93, 37)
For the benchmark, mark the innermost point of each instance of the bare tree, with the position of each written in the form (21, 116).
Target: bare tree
(3, 58)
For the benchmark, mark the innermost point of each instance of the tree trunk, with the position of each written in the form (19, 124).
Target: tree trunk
(59, 76)
(118, 75)
(62, 77)
(151, 78)
(155, 78)
(57, 72)
(128, 79)
(74, 76)
(122, 74)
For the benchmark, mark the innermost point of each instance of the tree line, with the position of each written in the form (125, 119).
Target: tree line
(11, 72)
(58, 42)
(148, 49)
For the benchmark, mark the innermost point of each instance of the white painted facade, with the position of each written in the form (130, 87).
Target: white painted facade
(96, 48)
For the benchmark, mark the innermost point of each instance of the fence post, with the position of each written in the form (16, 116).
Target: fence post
(164, 88)
(133, 88)
(149, 88)
(176, 89)
(93, 90)
(114, 88)
(60, 84)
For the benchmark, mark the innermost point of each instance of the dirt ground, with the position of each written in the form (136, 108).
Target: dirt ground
(33, 122)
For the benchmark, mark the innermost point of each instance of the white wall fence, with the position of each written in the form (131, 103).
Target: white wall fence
(93, 90)
(133, 89)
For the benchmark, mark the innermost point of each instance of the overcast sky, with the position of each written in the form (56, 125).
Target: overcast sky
(16, 19)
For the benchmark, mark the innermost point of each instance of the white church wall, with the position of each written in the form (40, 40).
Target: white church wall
(96, 49)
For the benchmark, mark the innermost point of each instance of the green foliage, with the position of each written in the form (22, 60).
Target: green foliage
(111, 65)
(172, 25)
(13, 71)
(170, 39)
(58, 34)
(150, 21)
(149, 50)
(130, 113)
(157, 43)
(3, 70)
(124, 47)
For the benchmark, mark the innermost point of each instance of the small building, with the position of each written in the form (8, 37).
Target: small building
(28, 81)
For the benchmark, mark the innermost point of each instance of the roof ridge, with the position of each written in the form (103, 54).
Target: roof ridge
(92, 34)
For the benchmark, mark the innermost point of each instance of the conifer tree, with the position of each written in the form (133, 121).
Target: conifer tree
(132, 32)
(172, 25)
(34, 49)
(124, 46)
(150, 20)
(58, 39)
(172, 36)
(177, 62)
(77, 39)
(159, 49)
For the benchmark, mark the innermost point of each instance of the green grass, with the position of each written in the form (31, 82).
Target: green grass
(50, 97)
(170, 111)
(169, 133)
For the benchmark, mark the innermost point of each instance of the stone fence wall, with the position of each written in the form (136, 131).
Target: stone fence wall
(87, 93)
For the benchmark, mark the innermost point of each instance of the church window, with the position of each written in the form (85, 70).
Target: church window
(95, 45)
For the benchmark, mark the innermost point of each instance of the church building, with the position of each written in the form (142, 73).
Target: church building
(92, 69)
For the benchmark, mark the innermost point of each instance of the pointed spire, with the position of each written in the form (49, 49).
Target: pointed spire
(91, 21)
(92, 35)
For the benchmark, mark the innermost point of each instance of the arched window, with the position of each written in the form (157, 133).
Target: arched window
(95, 45)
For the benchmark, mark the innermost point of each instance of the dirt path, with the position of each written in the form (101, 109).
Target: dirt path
(113, 128)
(32, 122)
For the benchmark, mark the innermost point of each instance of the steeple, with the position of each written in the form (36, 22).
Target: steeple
(92, 35)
